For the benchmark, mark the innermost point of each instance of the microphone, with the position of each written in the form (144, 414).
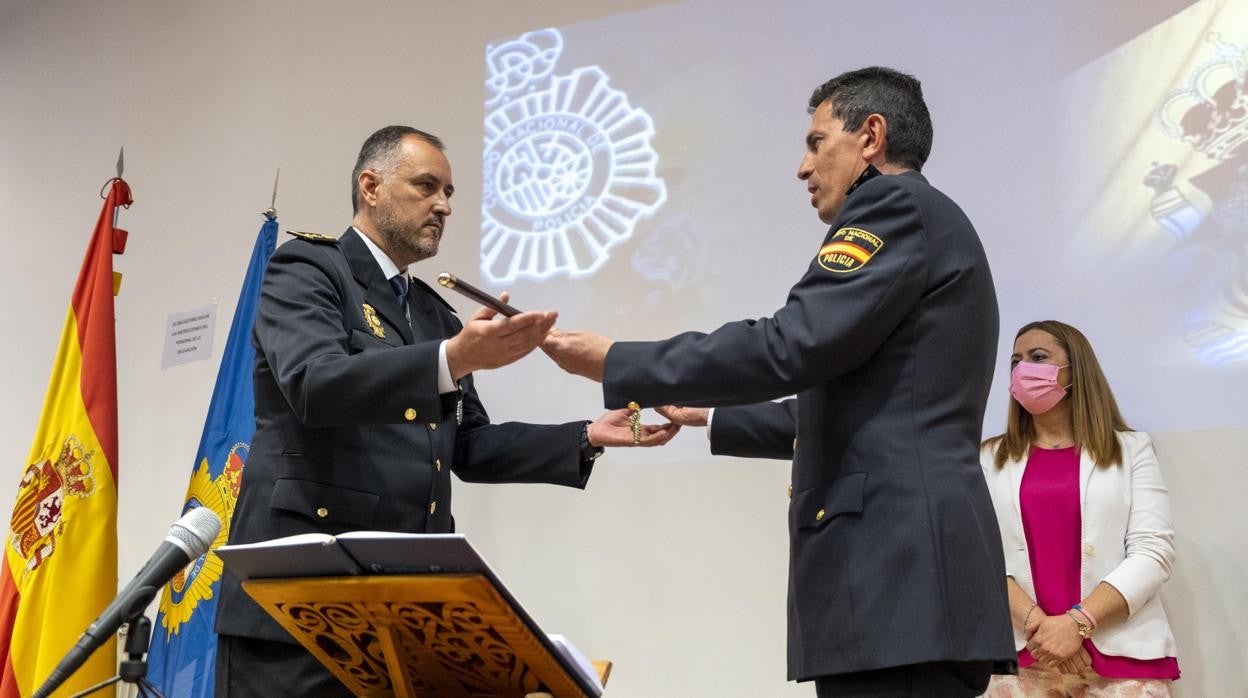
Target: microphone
(189, 537)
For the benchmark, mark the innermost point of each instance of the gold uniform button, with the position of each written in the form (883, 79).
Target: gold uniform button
(794, 444)
(433, 426)
(820, 514)
(409, 414)
(437, 464)
(322, 512)
(433, 506)
(790, 491)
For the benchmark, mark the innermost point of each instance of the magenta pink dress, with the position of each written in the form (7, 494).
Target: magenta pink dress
(1052, 523)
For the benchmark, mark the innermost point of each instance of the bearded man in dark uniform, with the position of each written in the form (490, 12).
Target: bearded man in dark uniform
(365, 402)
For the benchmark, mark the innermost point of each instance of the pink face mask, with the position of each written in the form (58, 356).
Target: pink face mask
(1035, 386)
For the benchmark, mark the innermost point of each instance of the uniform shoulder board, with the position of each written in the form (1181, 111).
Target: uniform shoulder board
(433, 293)
(313, 237)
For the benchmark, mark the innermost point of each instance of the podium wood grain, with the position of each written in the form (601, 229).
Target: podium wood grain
(416, 635)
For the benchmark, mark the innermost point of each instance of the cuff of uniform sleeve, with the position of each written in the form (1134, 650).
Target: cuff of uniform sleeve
(446, 384)
(710, 416)
(589, 452)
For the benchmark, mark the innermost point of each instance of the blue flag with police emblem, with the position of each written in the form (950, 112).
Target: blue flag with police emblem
(181, 661)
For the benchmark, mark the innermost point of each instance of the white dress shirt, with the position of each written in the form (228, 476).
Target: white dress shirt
(389, 269)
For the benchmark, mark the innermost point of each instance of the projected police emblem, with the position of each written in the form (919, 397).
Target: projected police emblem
(568, 162)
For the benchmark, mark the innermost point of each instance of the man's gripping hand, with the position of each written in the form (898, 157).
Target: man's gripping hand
(685, 416)
(578, 353)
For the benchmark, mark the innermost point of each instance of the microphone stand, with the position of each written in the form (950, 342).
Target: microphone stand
(132, 669)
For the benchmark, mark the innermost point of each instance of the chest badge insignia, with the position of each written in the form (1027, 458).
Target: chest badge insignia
(374, 323)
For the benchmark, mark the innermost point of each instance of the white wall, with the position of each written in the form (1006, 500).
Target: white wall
(672, 564)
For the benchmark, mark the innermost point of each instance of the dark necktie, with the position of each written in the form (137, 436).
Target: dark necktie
(399, 284)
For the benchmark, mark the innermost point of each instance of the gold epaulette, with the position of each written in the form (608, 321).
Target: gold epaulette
(312, 237)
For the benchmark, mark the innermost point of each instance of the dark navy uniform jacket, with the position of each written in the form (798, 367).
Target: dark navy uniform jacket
(351, 433)
(888, 341)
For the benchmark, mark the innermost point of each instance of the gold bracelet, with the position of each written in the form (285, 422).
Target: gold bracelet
(1027, 617)
(1085, 630)
(634, 421)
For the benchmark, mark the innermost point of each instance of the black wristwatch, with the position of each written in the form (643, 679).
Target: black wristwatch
(589, 452)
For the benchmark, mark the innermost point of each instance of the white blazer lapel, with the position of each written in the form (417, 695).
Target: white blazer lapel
(1015, 470)
(1086, 466)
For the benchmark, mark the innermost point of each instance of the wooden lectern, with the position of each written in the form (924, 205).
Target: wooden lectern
(412, 634)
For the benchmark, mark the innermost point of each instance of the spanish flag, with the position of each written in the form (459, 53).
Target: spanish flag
(60, 556)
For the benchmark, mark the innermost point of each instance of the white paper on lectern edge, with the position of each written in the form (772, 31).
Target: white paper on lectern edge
(576, 659)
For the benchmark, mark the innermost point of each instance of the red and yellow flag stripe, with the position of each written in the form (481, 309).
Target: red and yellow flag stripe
(846, 248)
(60, 556)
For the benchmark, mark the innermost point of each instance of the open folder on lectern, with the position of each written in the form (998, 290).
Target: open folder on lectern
(408, 614)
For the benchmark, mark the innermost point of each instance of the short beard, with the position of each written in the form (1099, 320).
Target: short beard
(404, 246)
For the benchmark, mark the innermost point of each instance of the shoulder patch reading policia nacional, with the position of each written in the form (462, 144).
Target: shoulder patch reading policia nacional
(849, 250)
(312, 237)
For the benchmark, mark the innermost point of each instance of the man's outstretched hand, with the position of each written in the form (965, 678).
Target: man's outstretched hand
(490, 341)
(614, 429)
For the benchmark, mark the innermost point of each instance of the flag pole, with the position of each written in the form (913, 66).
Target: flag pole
(121, 168)
(270, 213)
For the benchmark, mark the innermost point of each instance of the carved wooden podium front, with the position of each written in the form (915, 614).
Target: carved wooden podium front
(417, 635)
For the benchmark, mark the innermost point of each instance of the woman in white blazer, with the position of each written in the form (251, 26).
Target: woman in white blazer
(1085, 526)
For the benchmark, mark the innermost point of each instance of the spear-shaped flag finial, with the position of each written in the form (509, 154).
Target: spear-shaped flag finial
(271, 212)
